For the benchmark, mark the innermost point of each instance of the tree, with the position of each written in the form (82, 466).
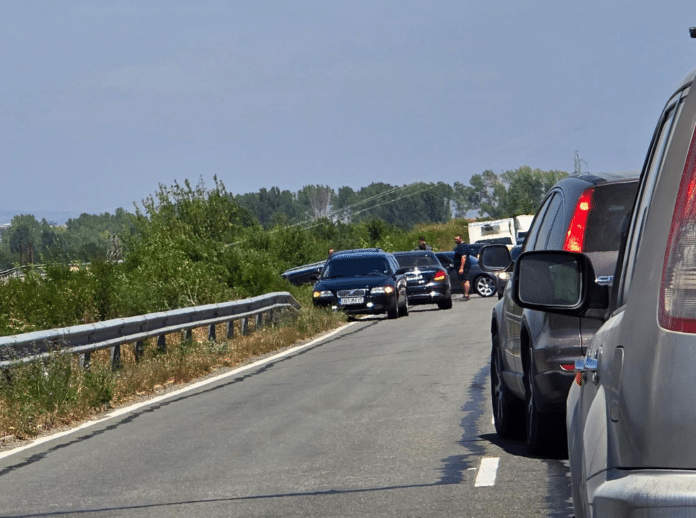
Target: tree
(514, 192)
(317, 198)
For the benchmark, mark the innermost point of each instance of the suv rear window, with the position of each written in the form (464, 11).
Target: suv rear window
(611, 205)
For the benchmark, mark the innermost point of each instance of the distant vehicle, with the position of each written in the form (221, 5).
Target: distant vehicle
(362, 282)
(500, 231)
(631, 415)
(482, 283)
(304, 274)
(427, 280)
(504, 277)
(533, 352)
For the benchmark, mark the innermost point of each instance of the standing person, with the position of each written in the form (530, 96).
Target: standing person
(422, 245)
(462, 263)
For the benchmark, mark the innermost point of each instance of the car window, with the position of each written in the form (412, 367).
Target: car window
(355, 267)
(411, 260)
(538, 219)
(650, 175)
(542, 241)
(610, 205)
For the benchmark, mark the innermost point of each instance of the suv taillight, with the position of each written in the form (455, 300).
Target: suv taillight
(677, 310)
(575, 237)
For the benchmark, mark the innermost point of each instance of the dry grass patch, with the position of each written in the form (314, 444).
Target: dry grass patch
(41, 396)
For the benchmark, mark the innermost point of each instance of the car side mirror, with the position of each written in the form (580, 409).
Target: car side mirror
(559, 282)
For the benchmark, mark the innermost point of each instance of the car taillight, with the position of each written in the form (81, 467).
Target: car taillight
(677, 310)
(440, 275)
(575, 237)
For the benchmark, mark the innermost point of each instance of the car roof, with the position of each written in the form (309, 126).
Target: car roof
(358, 251)
(601, 177)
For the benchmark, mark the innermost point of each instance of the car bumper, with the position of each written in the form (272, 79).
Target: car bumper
(371, 306)
(431, 294)
(654, 493)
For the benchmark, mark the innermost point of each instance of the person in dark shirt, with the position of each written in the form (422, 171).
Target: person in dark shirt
(422, 245)
(462, 264)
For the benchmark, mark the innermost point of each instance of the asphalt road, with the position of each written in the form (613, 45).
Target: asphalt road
(383, 418)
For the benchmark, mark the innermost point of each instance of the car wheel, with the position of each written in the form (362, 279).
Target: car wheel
(508, 411)
(393, 312)
(403, 310)
(485, 286)
(445, 304)
(546, 433)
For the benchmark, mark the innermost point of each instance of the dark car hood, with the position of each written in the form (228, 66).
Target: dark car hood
(345, 283)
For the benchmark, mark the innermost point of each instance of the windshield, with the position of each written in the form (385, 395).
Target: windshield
(417, 260)
(355, 267)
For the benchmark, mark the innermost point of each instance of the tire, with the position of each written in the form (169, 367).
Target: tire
(403, 310)
(485, 286)
(508, 411)
(445, 304)
(394, 312)
(546, 432)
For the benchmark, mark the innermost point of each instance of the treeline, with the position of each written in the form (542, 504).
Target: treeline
(321, 208)
(488, 194)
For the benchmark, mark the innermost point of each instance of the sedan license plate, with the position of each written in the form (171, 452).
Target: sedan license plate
(346, 301)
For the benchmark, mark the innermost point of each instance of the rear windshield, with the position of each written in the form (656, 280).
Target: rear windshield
(355, 267)
(611, 205)
(413, 260)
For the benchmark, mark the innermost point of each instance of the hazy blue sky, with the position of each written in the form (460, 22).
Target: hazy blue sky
(101, 101)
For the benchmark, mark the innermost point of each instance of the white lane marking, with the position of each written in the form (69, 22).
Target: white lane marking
(172, 394)
(488, 469)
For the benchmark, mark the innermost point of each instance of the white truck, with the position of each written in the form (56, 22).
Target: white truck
(508, 231)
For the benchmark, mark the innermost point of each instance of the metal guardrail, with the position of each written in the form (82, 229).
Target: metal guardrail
(18, 272)
(87, 338)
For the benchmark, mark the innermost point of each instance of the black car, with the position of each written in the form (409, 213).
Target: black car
(362, 282)
(427, 280)
(303, 274)
(483, 283)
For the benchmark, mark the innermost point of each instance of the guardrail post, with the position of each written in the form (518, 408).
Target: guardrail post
(116, 357)
(211, 333)
(139, 350)
(162, 343)
(245, 326)
(230, 329)
(188, 334)
(85, 360)
(258, 322)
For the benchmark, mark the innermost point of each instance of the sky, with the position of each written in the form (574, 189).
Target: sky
(101, 101)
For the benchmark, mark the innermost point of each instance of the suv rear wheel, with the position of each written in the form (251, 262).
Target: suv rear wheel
(508, 411)
(546, 432)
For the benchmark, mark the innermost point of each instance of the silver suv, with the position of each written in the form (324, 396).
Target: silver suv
(533, 352)
(631, 414)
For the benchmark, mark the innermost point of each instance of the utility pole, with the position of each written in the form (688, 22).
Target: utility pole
(578, 163)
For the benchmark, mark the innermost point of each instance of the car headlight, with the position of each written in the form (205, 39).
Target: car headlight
(321, 294)
(382, 289)
(504, 276)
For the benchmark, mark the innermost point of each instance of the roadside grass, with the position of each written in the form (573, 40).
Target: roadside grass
(42, 396)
